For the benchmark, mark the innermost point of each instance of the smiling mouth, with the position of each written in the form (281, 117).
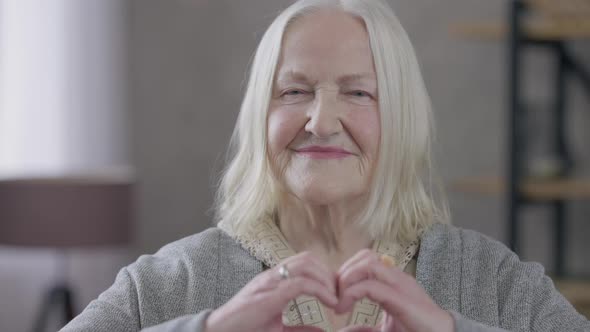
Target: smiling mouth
(318, 152)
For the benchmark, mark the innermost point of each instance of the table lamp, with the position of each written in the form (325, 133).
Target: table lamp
(64, 213)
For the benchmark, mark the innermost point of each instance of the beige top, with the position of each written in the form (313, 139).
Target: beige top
(267, 243)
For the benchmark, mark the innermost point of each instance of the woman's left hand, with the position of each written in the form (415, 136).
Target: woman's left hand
(406, 305)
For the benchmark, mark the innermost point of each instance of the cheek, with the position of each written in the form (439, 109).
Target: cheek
(365, 129)
(283, 127)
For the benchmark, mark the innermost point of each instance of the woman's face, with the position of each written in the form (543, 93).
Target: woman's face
(323, 121)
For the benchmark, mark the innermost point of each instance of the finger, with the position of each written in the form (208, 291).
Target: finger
(402, 298)
(357, 271)
(390, 299)
(302, 329)
(362, 269)
(389, 323)
(308, 266)
(359, 256)
(359, 329)
(373, 268)
(302, 264)
(292, 288)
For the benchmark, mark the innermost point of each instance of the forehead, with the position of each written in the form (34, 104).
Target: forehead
(326, 42)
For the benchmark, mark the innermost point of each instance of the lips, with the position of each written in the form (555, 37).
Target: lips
(323, 152)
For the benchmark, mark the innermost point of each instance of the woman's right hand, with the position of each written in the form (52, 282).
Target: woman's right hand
(259, 305)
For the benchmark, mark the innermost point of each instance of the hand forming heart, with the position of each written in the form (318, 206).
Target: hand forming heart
(259, 305)
(406, 305)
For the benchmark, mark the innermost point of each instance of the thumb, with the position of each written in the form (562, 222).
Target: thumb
(359, 329)
(302, 329)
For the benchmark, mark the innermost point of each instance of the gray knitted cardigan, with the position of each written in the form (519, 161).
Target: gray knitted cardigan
(477, 279)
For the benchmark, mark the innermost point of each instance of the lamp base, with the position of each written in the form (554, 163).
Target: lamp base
(59, 296)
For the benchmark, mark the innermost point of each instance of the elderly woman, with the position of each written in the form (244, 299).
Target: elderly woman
(325, 220)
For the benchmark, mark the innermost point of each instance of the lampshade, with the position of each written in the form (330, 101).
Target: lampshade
(66, 211)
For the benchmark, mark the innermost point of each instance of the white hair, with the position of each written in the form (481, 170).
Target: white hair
(401, 202)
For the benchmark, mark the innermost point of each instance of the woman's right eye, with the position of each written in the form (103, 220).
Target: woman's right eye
(295, 92)
(293, 96)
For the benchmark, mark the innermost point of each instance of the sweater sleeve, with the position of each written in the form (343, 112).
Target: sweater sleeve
(115, 309)
(525, 290)
(463, 324)
(188, 323)
(172, 290)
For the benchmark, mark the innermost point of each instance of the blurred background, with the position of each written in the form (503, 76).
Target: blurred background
(119, 113)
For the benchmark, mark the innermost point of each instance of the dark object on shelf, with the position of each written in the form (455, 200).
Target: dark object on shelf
(65, 213)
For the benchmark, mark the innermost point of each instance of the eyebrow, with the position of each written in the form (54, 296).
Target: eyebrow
(356, 77)
(300, 77)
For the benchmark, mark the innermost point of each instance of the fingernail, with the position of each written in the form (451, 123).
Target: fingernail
(387, 261)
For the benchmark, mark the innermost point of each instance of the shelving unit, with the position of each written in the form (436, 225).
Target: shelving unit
(577, 293)
(547, 24)
(574, 28)
(565, 189)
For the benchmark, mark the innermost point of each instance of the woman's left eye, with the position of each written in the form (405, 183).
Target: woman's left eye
(361, 94)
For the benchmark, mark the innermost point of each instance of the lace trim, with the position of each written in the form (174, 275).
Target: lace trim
(264, 241)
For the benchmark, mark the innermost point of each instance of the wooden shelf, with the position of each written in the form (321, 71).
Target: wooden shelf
(560, 8)
(546, 29)
(534, 189)
(576, 291)
(549, 20)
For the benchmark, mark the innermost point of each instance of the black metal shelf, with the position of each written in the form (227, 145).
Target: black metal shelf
(553, 35)
(565, 67)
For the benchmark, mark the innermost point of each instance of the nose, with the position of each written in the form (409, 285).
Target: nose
(324, 116)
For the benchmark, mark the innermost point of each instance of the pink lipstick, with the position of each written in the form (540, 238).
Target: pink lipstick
(323, 152)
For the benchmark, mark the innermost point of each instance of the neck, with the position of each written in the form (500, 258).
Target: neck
(329, 231)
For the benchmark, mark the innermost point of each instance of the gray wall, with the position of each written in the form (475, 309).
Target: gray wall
(187, 67)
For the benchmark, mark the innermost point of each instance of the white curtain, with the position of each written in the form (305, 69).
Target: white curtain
(62, 87)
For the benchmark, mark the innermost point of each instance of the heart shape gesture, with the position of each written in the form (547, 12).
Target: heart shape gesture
(259, 305)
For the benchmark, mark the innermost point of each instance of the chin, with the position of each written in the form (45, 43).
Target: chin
(324, 188)
(319, 197)
(317, 194)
